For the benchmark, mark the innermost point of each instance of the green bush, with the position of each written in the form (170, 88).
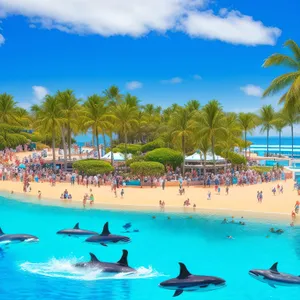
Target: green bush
(92, 167)
(236, 159)
(135, 159)
(261, 169)
(131, 148)
(147, 168)
(165, 156)
(158, 143)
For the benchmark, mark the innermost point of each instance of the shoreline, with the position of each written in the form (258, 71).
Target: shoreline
(206, 208)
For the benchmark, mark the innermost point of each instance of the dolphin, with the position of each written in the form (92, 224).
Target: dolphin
(186, 282)
(76, 231)
(16, 238)
(119, 267)
(106, 237)
(272, 277)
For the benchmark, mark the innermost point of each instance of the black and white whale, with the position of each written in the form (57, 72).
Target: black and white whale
(16, 238)
(119, 267)
(272, 277)
(186, 282)
(76, 231)
(107, 238)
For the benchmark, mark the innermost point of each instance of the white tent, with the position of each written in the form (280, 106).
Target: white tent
(198, 157)
(116, 156)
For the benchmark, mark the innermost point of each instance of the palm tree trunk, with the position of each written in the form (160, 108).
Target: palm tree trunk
(69, 140)
(268, 143)
(183, 153)
(279, 143)
(53, 147)
(104, 141)
(292, 130)
(111, 152)
(245, 144)
(213, 153)
(125, 147)
(97, 142)
(64, 146)
(204, 166)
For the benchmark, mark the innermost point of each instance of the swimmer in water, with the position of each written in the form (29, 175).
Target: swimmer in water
(279, 231)
(292, 224)
(272, 230)
(224, 221)
(153, 217)
(230, 237)
(242, 223)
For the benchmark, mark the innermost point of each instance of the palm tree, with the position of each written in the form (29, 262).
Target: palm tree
(71, 109)
(8, 109)
(125, 119)
(290, 80)
(181, 128)
(279, 123)
(210, 122)
(193, 105)
(95, 116)
(204, 146)
(248, 122)
(50, 119)
(291, 116)
(266, 119)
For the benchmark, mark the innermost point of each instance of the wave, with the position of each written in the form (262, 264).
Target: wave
(64, 268)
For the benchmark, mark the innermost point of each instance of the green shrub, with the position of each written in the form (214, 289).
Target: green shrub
(147, 168)
(92, 167)
(165, 156)
(135, 159)
(261, 169)
(236, 159)
(158, 143)
(131, 148)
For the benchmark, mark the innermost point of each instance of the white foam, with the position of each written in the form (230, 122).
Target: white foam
(65, 268)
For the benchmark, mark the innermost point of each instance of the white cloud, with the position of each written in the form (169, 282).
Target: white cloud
(137, 18)
(197, 77)
(229, 26)
(133, 85)
(39, 93)
(2, 40)
(252, 90)
(173, 80)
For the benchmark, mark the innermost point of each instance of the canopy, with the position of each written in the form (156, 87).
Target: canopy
(196, 157)
(116, 156)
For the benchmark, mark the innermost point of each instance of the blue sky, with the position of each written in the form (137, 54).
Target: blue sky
(163, 51)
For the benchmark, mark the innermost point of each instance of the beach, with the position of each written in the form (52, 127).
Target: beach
(241, 201)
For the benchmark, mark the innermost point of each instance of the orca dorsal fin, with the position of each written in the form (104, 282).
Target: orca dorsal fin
(123, 260)
(94, 258)
(184, 273)
(1, 232)
(274, 268)
(105, 230)
(76, 226)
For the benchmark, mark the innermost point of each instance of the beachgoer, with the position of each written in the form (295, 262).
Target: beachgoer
(115, 192)
(227, 190)
(274, 191)
(92, 199)
(194, 207)
(281, 189)
(224, 221)
(122, 193)
(293, 215)
(229, 237)
(292, 224)
(70, 197)
(39, 195)
(208, 195)
(84, 200)
(219, 190)
(62, 196)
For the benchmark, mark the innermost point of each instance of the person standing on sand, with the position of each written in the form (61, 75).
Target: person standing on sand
(39, 195)
(261, 196)
(122, 193)
(208, 195)
(227, 190)
(219, 190)
(163, 184)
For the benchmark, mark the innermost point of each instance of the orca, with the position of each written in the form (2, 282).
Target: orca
(186, 282)
(272, 277)
(76, 231)
(106, 237)
(16, 238)
(119, 267)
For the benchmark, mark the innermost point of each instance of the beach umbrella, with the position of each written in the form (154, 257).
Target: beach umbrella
(22, 166)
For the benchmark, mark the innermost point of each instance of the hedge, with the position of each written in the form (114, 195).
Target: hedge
(147, 168)
(158, 143)
(165, 156)
(135, 159)
(131, 148)
(92, 167)
(261, 169)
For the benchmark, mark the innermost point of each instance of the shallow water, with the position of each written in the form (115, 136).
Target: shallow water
(44, 269)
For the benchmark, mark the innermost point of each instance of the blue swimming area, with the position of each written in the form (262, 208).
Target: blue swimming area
(44, 270)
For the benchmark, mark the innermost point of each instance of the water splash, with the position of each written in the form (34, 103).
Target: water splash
(64, 268)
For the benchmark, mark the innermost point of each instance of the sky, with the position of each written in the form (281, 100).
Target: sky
(162, 51)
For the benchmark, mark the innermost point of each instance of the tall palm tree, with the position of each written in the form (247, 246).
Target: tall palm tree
(290, 80)
(291, 116)
(71, 109)
(193, 105)
(248, 122)
(279, 123)
(181, 128)
(50, 119)
(204, 147)
(125, 119)
(8, 109)
(210, 122)
(95, 116)
(266, 120)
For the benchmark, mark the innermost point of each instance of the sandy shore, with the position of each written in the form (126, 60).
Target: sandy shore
(240, 201)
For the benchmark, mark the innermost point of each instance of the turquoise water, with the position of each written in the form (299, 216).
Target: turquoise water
(44, 270)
